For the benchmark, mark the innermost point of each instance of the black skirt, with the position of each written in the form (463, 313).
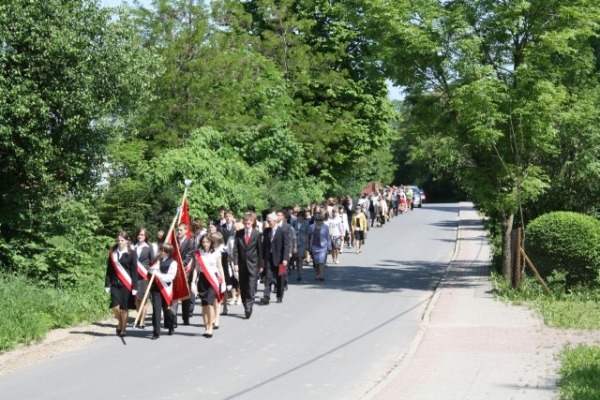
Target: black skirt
(206, 292)
(121, 296)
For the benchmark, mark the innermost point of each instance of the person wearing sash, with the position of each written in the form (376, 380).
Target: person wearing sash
(145, 256)
(161, 291)
(121, 279)
(210, 282)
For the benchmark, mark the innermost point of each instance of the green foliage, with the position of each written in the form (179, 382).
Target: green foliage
(336, 109)
(29, 311)
(66, 67)
(303, 190)
(125, 206)
(491, 88)
(565, 241)
(580, 367)
(573, 309)
(220, 176)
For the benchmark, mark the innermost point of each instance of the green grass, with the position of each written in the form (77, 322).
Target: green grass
(572, 310)
(580, 366)
(29, 312)
(580, 373)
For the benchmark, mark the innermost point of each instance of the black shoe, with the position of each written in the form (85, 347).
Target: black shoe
(186, 321)
(154, 337)
(265, 300)
(123, 334)
(118, 331)
(248, 314)
(207, 335)
(170, 331)
(224, 312)
(279, 300)
(175, 326)
(142, 326)
(215, 326)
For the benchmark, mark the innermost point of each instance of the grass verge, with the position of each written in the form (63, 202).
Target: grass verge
(580, 366)
(579, 371)
(29, 312)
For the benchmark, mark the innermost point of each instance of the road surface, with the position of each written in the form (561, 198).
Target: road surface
(327, 340)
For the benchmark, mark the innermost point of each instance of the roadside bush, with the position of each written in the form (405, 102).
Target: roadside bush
(29, 312)
(565, 241)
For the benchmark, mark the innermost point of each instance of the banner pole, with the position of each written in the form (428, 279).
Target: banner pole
(188, 182)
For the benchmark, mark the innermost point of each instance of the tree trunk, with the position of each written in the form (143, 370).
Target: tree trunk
(507, 224)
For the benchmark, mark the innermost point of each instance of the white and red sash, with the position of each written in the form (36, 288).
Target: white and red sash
(166, 290)
(120, 270)
(142, 271)
(212, 278)
(188, 267)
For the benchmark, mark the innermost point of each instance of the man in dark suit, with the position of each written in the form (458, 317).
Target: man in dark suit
(186, 250)
(247, 259)
(277, 248)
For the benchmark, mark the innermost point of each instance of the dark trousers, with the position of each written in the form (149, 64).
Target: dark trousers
(187, 307)
(272, 276)
(247, 289)
(158, 304)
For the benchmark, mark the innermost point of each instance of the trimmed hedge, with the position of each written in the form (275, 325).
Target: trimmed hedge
(565, 241)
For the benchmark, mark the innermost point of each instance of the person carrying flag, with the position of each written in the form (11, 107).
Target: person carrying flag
(186, 250)
(164, 273)
(121, 279)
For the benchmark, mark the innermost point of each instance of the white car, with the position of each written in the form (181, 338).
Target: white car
(416, 196)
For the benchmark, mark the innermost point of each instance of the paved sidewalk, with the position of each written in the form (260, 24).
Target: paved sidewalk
(472, 346)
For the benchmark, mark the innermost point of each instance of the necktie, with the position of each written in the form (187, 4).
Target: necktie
(247, 237)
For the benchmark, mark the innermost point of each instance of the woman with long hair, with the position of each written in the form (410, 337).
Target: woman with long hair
(121, 279)
(210, 280)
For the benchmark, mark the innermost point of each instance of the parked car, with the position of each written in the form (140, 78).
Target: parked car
(417, 202)
(423, 197)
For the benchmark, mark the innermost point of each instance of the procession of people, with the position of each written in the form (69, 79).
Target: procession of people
(224, 263)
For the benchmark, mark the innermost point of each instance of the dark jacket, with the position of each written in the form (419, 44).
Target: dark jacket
(278, 248)
(247, 257)
(129, 262)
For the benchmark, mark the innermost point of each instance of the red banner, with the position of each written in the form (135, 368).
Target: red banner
(181, 289)
(185, 217)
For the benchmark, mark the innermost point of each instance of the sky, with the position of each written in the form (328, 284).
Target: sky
(115, 3)
(395, 93)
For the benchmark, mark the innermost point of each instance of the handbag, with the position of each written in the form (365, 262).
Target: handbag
(282, 269)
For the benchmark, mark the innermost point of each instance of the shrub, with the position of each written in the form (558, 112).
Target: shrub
(565, 241)
(29, 312)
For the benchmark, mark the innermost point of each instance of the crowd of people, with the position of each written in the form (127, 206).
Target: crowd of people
(227, 258)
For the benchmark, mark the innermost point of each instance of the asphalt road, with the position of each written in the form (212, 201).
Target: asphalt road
(327, 340)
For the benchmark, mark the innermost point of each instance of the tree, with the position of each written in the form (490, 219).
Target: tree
(339, 112)
(488, 83)
(232, 182)
(71, 74)
(67, 70)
